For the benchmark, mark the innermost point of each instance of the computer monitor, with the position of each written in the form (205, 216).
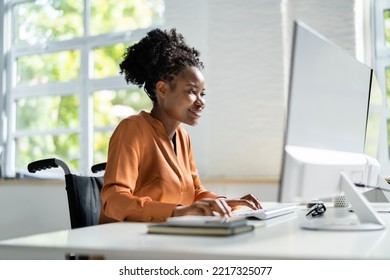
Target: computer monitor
(328, 99)
(328, 105)
(329, 92)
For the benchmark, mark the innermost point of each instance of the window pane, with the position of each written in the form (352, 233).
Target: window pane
(386, 16)
(372, 134)
(100, 146)
(106, 60)
(376, 95)
(65, 147)
(52, 67)
(388, 138)
(48, 20)
(387, 86)
(374, 119)
(59, 111)
(115, 16)
(112, 106)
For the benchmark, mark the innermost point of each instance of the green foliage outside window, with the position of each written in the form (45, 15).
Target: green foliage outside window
(54, 112)
(37, 22)
(387, 26)
(387, 37)
(387, 40)
(113, 15)
(52, 67)
(106, 60)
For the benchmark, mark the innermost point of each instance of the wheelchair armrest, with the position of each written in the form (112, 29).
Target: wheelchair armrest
(47, 164)
(98, 167)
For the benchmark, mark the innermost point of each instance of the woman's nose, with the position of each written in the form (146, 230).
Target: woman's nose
(200, 101)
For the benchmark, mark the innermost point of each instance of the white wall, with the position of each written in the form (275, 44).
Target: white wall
(29, 208)
(240, 133)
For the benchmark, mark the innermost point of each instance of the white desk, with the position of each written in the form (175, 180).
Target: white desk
(284, 240)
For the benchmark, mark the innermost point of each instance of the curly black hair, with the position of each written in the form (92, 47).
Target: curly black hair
(159, 56)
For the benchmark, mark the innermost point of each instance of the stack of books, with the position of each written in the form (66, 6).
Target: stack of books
(202, 225)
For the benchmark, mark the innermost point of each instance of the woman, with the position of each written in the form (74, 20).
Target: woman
(151, 173)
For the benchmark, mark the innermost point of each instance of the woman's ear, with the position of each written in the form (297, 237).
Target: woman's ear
(161, 89)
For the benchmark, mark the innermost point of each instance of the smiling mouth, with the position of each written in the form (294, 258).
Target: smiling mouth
(196, 112)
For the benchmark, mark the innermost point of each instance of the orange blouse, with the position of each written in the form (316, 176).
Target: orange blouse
(145, 179)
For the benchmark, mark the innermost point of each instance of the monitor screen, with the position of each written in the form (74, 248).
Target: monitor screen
(328, 101)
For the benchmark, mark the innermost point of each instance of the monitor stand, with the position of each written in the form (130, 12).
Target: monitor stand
(378, 196)
(367, 217)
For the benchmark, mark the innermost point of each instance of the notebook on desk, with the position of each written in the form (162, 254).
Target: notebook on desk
(265, 213)
(202, 225)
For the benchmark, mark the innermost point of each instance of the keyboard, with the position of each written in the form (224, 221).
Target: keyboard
(265, 213)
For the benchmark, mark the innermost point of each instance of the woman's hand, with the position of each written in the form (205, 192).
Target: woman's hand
(204, 207)
(247, 200)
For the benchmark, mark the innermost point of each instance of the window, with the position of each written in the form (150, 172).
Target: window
(63, 92)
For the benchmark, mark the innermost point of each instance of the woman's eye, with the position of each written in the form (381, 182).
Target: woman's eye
(194, 92)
